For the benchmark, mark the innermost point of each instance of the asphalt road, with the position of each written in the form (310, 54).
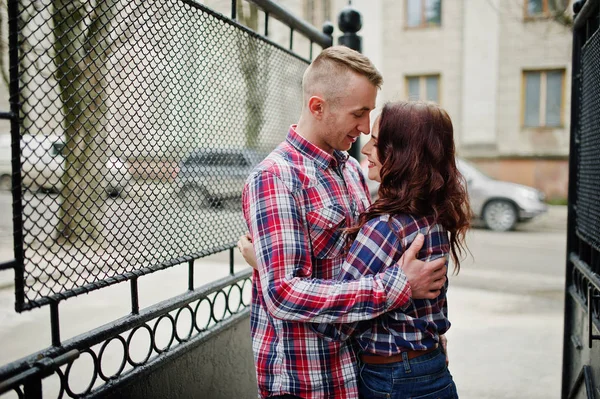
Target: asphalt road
(506, 304)
(506, 307)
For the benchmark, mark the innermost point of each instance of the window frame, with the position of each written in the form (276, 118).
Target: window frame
(423, 21)
(543, 91)
(423, 86)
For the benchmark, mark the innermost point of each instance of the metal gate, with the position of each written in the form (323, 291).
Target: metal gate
(581, 344)
(134, 125)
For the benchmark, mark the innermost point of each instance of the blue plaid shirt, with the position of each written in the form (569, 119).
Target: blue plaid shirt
(379, 244)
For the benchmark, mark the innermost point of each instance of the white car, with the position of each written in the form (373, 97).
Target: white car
(43, 166)
(499, 204)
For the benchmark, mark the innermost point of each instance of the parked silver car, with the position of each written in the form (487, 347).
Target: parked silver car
(208, 176)
(499, 204)
(43, 165)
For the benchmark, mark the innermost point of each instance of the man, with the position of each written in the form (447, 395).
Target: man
(296, 203)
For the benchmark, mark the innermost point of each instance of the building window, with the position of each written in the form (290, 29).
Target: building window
(425, 87)
(543, 98)
(543, 8)
(423, 13)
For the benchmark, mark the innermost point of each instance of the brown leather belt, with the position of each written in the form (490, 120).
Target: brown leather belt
(376, 359)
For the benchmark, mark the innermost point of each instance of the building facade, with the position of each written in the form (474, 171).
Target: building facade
(501, 68)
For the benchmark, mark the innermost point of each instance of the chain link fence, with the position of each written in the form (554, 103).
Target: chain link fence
(139, 122)
(588, 182)
(582, 286)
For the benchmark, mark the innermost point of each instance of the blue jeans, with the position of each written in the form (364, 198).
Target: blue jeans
(424, 377)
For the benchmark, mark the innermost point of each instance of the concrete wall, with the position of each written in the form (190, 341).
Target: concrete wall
(480, 75)
(551, 176)
(526, 45)
(530, 45)
(220, 368)
(436, 50)
(480, 52)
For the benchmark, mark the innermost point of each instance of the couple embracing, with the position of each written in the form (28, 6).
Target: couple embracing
(349, 296)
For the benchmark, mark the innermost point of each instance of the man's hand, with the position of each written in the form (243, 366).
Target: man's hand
(426, 278)
(247, 249)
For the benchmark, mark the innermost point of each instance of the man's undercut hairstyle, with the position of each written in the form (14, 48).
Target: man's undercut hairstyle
(327, 74)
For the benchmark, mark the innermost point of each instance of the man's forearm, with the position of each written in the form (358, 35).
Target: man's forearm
(328, 301)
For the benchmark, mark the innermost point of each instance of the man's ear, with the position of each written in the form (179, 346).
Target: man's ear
(316, 106)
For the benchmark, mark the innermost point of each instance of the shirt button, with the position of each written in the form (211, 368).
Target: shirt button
(330, 225)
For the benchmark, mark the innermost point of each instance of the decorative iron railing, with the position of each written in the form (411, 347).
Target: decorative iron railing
(134, 125)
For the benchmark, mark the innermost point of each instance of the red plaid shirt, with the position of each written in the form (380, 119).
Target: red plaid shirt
(295, 203)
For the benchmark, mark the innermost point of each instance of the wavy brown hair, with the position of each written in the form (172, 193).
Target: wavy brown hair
(418, 174)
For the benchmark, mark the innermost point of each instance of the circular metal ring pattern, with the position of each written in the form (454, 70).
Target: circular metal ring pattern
(231, 298)
(19, 392)
(226, 297)
(131, 334)
(49, 386)
(63, 383)
(215, 303)
(246, 292)
(198, 311)
(155, 328)
(101, 356)
(177, 324)
(94, 374)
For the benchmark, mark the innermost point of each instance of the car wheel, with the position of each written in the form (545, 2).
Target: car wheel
(500, 215)
(5, 182)
(113, 192)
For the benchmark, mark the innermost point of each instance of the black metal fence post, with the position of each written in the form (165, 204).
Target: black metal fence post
(582, 287)
(350, 22)
(572, 196)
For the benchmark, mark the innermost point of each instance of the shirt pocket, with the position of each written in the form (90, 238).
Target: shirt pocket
(324, 225)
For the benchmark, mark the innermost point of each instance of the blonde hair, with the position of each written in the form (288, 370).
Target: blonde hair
(328, 71)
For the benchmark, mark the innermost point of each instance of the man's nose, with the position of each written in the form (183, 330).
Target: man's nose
(365, 127)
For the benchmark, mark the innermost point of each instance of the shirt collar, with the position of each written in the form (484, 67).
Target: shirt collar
(322, 158)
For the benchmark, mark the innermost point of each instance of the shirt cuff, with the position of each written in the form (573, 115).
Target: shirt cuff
(397, 288)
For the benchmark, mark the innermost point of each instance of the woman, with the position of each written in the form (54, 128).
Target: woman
(412, 154)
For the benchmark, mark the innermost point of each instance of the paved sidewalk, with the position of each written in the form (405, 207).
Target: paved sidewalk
(506, 308)
(504, 345)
